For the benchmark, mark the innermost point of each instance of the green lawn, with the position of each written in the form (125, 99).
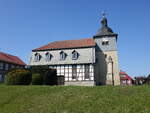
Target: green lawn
(69, 99)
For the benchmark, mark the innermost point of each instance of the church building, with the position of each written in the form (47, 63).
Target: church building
(85, 62)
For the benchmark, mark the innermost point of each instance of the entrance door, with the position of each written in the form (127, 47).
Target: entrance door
(60, 80)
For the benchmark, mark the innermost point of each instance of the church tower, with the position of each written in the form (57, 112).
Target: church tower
(106, 67)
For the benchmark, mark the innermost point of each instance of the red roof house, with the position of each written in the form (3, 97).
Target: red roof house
(125, 79)
(7, 62)
(11, 59)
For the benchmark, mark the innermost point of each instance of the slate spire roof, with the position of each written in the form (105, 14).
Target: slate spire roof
(104, 30)
(11, 59)
(82, 43)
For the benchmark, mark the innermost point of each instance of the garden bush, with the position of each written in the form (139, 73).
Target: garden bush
(37, 79)
(18, 77)
(50, 77)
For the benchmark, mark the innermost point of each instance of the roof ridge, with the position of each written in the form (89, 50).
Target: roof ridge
(12, 58)
(8, 54)
(71, 40)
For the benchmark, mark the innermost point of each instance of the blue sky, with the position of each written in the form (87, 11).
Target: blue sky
(28, 24)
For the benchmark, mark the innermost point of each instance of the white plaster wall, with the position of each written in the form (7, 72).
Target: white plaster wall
(116, 69)
(86, 55)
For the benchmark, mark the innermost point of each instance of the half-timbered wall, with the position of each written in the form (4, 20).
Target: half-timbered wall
(84, 72)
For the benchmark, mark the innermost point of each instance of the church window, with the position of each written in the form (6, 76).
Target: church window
(75, 55)
(62, 55)
(37, 57)
(48, 56)
(74, 72)
(104, 43)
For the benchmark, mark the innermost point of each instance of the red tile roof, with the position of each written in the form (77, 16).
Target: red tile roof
(11, 59)
(126, 76)
(89, 42)
(122, 73)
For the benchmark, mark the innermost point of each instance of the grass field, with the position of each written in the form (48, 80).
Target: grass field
(71, 99)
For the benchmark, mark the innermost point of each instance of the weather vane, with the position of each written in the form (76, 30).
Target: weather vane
(103, 13)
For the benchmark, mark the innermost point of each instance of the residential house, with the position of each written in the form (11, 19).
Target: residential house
(125, 79)
(7, 62)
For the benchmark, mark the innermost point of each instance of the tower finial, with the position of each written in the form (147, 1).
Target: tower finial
(104, 20)
(103, 13)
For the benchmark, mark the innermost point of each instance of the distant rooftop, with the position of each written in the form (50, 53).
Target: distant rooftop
(11, 59)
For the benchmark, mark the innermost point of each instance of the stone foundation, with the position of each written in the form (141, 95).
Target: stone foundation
(80, 83)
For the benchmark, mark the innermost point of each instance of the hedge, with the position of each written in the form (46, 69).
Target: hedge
(37, 79)
(49, 75)
(18, 77)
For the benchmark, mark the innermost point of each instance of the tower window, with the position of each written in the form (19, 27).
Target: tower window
(105, 43)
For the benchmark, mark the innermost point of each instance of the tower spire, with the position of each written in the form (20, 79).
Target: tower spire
(105, 30)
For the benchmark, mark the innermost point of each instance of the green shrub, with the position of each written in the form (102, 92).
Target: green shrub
(18, 77)
(37, 79)
(50, 77)
(39, 69)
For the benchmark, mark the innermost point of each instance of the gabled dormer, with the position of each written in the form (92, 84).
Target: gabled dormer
(37, 57)
(63, 55)
(48, 56)
(75, 55)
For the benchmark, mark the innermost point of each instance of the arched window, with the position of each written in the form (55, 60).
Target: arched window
(48, 56)
(37, 57)
(75, 55)
(62, 55)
